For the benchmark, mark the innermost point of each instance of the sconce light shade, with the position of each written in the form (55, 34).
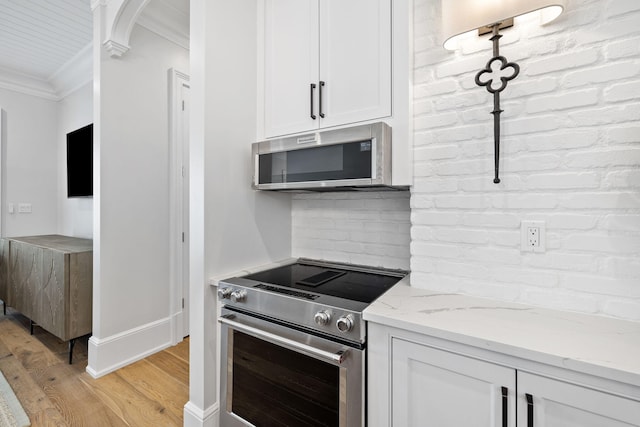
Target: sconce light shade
(462, 16)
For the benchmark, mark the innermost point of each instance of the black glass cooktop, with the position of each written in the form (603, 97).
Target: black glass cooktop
(342, 283)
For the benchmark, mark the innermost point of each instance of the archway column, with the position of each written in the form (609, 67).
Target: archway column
(119, 19)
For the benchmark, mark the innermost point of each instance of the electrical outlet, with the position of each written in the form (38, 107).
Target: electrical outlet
(24, 207)
(532, 236)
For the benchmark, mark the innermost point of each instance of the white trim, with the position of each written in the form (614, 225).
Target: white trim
(196, 417)
(176, 207)
(74, 74)
(27, 84)
(402, 81)
(71, 76)
(116, 49)
(121, 23)
(3, 175)
(109, 354)
(165, 29)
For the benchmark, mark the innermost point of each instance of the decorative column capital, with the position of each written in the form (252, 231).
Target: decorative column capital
(115, 49)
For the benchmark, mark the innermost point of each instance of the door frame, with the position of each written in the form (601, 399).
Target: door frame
(178, 210)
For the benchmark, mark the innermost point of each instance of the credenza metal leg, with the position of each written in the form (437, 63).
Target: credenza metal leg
(72, 343)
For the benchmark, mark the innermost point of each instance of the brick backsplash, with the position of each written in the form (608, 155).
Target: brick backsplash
(570, 157)
(369, 228)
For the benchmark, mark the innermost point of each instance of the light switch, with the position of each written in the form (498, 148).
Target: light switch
(24, 207)
(11, 208)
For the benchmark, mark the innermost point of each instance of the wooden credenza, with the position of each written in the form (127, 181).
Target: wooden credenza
(49, 280)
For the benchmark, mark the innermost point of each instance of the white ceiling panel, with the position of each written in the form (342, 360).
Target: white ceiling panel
(37, 37)
(45, 45)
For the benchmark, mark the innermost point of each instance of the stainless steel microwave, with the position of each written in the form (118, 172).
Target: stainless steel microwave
(354, 158)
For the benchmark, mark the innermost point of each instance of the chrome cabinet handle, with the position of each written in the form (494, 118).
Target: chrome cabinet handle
(320, 102)
(312, 90)
(336, 358)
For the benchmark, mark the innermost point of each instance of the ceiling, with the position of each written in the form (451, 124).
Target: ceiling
(38, 37)
(41, 39)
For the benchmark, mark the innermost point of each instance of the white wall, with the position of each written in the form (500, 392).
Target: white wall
(131, 222)
(570, 157)
(75, 215)
(30, 164)
(368, 228)
(232, 226)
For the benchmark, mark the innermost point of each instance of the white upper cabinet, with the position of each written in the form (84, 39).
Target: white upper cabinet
(326, 63)
(291, 40)
(355, 60)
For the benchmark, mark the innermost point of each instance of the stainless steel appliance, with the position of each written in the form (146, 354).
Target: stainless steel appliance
(294, 344)
(354, 158)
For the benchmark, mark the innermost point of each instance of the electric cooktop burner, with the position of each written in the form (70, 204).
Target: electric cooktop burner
(312, 295)
(355, 285)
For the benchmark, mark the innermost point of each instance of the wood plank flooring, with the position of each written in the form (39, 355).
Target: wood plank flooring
(151, 392)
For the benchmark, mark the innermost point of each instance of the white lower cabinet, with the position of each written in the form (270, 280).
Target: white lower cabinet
(547, 402)
(414, 381)
(432, 387)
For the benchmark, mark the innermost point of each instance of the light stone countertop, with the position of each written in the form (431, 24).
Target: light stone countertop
(595, 345)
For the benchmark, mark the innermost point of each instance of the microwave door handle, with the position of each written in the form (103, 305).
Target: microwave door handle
(374, 158)
(336, 358)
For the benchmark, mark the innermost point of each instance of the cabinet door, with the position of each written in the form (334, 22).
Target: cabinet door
(290, 66)
(355, 60)
(51, 293)
(25, 275)
(436, 388)
(558, 404)
(4, 271)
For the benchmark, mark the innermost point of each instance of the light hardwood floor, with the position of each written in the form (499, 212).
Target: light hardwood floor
(151, 392)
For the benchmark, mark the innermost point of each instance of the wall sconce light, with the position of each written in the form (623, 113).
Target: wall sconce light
(460, 17)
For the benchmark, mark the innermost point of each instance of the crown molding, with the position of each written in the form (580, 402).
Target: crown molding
(28, 85)
(97, 3)
(168, 20)
(74, 74)
(166, 29)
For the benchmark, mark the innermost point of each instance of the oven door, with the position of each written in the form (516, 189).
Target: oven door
(273, 375)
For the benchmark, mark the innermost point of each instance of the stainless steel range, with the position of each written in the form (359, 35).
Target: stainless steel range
(294, 344)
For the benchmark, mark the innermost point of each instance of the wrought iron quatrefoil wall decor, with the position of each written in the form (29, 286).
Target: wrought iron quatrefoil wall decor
(487, 77)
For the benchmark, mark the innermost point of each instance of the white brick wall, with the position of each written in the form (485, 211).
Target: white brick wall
(369, 228)
(570, 156)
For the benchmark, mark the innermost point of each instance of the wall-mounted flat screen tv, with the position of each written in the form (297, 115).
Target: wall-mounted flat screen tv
(80, 162)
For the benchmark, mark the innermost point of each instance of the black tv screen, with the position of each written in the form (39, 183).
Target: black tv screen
(80, 162)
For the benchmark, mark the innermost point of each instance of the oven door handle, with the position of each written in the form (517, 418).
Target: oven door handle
(336, 358)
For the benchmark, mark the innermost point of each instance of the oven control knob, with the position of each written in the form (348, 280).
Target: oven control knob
(238, 296)
(345, 323)
(322, 318)
(224, 293)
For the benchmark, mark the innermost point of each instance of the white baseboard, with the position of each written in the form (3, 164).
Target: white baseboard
(196, 417)
(109, 354)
